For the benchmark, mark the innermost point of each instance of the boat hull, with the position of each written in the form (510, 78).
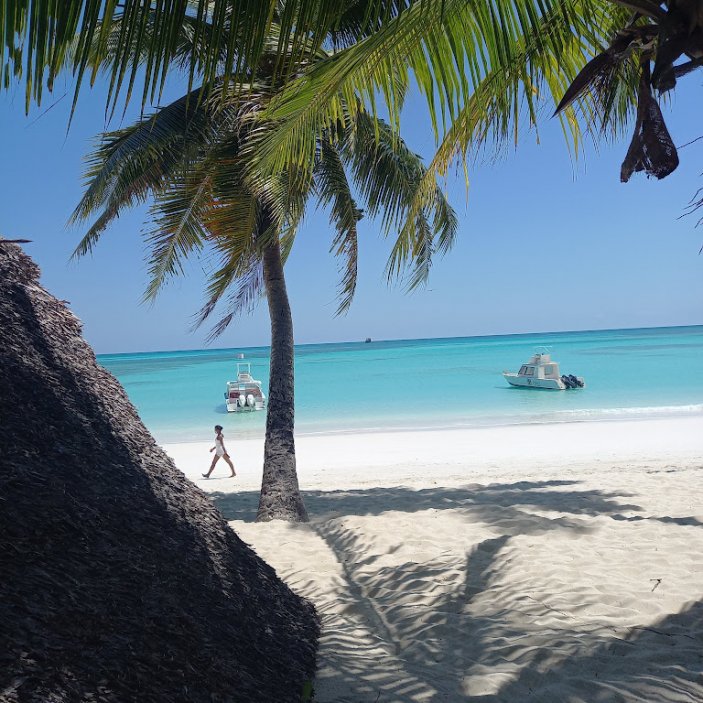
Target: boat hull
(237, 408)
(545, 384)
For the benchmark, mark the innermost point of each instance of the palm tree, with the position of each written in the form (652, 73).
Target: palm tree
(197, 159)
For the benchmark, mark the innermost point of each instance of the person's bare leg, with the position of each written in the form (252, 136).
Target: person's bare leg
(231, 465)
(212, 466)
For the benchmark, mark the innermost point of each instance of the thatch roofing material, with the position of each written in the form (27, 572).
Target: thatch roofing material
(119, 579)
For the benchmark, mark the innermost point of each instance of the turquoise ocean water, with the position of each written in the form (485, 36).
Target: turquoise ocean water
(427, 383)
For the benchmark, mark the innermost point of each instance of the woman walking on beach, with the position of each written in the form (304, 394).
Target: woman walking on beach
(220, 451)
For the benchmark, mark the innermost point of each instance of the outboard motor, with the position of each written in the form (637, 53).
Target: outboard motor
(571, 381)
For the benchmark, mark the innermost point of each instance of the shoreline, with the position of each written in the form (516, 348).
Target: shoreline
(462, 453)
(412, 425)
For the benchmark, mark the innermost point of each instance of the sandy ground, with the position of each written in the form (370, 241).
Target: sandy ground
(556, 563)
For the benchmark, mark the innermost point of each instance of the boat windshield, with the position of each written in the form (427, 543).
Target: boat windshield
(522, 371)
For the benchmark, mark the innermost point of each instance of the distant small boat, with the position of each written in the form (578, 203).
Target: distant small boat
(245, 393)
(541, 372)
(367, 340)
(240, 356)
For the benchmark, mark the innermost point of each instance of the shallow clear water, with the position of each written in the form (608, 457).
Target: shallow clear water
(424, 383)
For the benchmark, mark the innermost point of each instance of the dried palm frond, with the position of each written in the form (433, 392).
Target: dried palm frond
(599, 73)
(651, 150)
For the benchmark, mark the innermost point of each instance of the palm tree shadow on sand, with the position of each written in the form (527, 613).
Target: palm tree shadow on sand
(491, 504)
(467, 646)
(433, 630)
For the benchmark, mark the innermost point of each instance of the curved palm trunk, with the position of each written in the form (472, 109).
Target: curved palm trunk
(280, 495)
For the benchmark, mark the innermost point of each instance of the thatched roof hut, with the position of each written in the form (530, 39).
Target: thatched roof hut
(120, 580)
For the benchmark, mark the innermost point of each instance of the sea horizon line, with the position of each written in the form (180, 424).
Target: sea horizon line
(215, 350)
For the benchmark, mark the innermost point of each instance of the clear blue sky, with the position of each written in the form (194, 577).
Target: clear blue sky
(545, 243)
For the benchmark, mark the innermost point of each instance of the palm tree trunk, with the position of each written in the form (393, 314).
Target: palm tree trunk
(280, 495)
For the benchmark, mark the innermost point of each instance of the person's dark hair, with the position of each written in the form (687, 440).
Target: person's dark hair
(218, 428)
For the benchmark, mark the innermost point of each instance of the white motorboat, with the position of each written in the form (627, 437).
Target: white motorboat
(245, 393)
(541, 372)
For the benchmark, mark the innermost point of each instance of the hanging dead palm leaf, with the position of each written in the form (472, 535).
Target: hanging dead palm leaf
(651, 149)
(658, 34)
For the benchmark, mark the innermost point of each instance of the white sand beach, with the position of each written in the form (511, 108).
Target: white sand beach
(543, 563)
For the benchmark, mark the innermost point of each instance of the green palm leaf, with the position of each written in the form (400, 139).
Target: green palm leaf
(487, 118)
(248, 284)
(178, 214)
(451, 46)
(132, 163)
(389, 177)
(333, 187)
(239, 278)
(38, 37)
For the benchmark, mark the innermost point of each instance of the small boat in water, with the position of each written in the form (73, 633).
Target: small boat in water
(541, 372)
(245, 393)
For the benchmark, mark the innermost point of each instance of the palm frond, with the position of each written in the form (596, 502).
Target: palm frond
(385, 171)
(248, 290)
(648, 8)
(451, 46)
(389, 177)
(486, 118)
(429, 229)
(233, 224)
(245, 274)
(188, 43)
(285, 193)
(130, 164)
(694, 205)
(239, 276)
(602, 69)
(651, 150)
(206, 200)
(362, 18)
(234, 210)
(179, 212)
(333, 187)
(413, 249)
(38, 38)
